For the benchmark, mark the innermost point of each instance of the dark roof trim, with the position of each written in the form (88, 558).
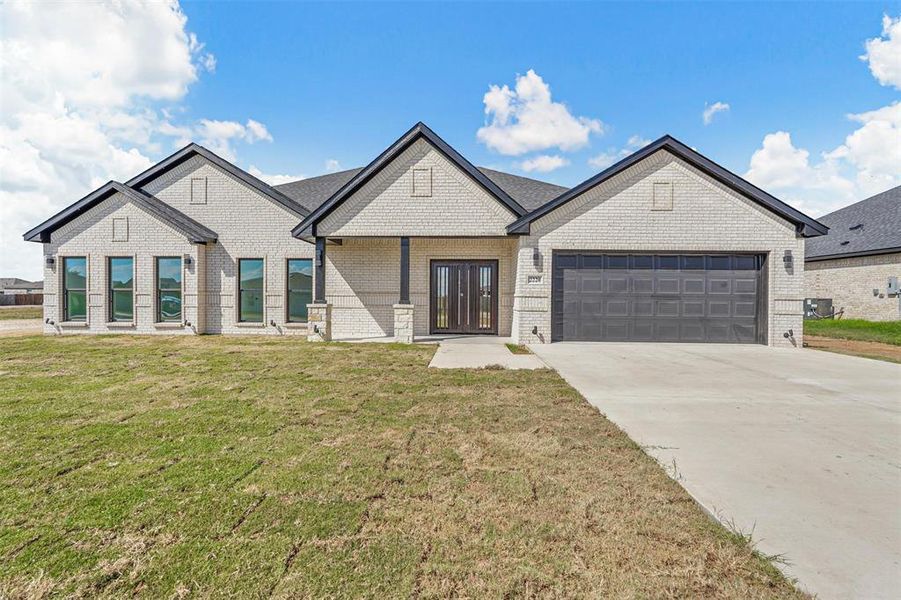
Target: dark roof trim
(804, 225)
(853, 254)
(192, 150)
(194, 231)
(420, 130)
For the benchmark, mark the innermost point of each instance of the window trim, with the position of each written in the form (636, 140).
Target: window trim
(288, 260)
(65, 296)
(157, 317)
(109, 289)
(238, 321)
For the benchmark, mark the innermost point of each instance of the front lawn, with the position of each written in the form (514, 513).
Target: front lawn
(20, 312)
(886, 332)
(227, 466)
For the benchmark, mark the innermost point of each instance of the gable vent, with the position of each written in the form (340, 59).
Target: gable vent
(422, 181)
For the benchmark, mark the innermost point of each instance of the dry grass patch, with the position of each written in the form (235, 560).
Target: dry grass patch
(21, 312)
(254, 467)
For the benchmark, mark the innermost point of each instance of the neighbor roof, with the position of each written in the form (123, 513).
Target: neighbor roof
(194, 231)
(417, 132)
(871, 226)
(805, 225)
(528, 193)
(14, 283)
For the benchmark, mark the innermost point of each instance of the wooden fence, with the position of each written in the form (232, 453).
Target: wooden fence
(21, 299)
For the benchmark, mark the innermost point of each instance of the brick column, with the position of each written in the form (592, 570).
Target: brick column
(403, 323)
(319, 322)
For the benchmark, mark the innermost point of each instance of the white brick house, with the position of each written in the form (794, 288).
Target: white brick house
(663, 246)
(858, 264)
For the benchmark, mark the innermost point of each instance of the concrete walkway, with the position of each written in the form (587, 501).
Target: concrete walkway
(476, 352)
(801, 447)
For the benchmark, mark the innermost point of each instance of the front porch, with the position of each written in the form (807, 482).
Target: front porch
(407, 288)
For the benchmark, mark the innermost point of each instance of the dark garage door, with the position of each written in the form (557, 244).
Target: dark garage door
(657, 298)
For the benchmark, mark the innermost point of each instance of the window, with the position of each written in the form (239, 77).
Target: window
(168, 289)
(250, 290)
(300, 288)
(121, 291)
(75, 283)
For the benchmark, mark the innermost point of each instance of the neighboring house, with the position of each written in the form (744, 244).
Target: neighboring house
(858, 265)
(14, 285)
(663, 246)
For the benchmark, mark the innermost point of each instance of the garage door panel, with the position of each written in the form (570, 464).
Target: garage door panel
(693, 285)
(745, 285)
(642, 285)
(667, 285)
(618, 285)
(670, 298)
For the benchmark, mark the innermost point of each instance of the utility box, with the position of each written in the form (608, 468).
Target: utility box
(818, 308)
(891, 287)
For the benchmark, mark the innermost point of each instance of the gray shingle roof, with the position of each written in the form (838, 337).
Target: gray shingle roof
(530, 193)
(15, 283)
(866, 227)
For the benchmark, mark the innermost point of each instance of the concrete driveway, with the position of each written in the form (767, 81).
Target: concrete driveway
(803, 447)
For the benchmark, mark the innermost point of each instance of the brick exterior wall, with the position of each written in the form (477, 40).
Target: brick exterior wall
(248, 224)
(388, 205)
(850, 283)
(362, 280)
(91, 235)
(705, 217)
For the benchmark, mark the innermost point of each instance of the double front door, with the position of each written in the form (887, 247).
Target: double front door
(463, 296)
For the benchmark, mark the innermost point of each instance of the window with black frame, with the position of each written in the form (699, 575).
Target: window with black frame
(300, 288)
(250, 290)
(168, 289)
(121, 289)
(75, 283)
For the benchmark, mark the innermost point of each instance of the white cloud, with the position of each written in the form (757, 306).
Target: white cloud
(219, 136)
(884, 53)
(88, 92)
(332, 165)
(526, 119)
(544, 163)
(612, 155)
(710, 111)
(273, 179)
(869, 160)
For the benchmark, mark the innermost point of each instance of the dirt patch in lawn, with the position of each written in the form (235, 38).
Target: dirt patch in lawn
(875, 350)
(259, 466)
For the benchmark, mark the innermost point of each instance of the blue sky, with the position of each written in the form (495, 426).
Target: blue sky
(343, 81)
(93, 92)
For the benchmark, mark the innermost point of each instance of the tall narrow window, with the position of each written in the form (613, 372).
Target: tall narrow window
(300, 288)
(75, 283)
(250, 290)
(168, 289)
(121, 290)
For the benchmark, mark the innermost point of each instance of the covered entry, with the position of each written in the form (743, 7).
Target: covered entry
(658, 297)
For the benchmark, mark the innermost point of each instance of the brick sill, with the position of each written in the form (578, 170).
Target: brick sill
(168, 325)
(120, 324)
(73, 324)
(251, 325)
(295, 325)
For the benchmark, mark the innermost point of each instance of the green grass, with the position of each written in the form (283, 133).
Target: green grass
(249, 466)
(887, 332)
(518, 349)
(20, 312)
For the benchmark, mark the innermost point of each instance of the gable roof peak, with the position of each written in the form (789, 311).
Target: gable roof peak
(418, 130)
(805, 225)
